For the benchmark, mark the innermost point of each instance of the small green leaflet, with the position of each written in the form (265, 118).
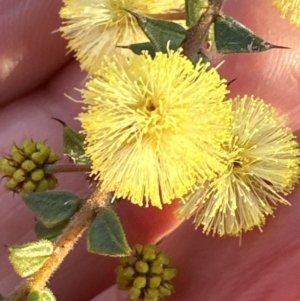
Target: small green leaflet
(43, 232)
(30, 257)
(52, 207)
(106, 235)
(193, 10)
(161, 32)
(138, 48)
(233, 37)
(74, 147)
(44, 294)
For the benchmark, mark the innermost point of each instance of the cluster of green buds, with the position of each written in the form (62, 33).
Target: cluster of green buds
(24, 167)
(146, 274)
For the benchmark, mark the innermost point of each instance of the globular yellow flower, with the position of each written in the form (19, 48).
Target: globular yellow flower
(262, 168)
(95, 27)
(290, 9)
(149, 122)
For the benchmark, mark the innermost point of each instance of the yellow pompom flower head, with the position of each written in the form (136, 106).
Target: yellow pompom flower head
(149, 122)
(95, 27)
(263, 167)
(290, 9)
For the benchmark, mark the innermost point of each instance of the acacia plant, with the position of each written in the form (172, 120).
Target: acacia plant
(159, 126)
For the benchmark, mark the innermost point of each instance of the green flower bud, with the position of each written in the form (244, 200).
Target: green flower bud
(152, 294)
(11, 184)
(149, 252)
(123, 283)
(6, 168)
(24, 169)
(52, 182)
(146, 274)
(166, 289)
(163, 258)
(29, 146)
(17, 156)
(39, 158)
(42, 185)
(37, 175)
(140, 282)
(141, 267)
(154, 281)
(134, 294)
(29, 186)
(52, 158)
(19, 175)
(169, 274)
(156, 268)
(28, 165)
(128, 272)
(138, 248)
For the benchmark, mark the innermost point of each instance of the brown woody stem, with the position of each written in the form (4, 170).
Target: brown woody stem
(62, 246)
(195, 36)
(58, 168)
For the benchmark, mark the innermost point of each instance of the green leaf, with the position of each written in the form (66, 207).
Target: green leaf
(160, 32)
(106, 235)
(52, 207)
(30, 257)
(44, 294)
(233, 37)
(74, 147)
(138, 48)
(193, 10)
(42, 232)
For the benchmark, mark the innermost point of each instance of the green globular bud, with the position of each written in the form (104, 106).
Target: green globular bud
(28, 165)
(42, 186)
(128, 272)
(28, 146)
(52, 158)
(28, 186)
(140, 282)
(45, 149)
(123, 283)
(138, 248)
(146, 274)
(6, 168)
(154, 282)
(11, 184)
(152, 294)
(163, 258)
(130, 260)
(17, 156)
(149, 252)
(141, 267)
(52, 182)
(37, 175)
(156, 268)
(169, 273)
(166, 289)
(19, 175)
(39, 158)
(134, 294)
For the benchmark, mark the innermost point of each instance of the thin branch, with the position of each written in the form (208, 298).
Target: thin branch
(59, 168)
(62, 246)
(195, 36)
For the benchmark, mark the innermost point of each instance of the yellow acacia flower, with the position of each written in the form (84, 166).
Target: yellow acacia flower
(290, 9)
(95, 27)
(148, 123)
(263, 167)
